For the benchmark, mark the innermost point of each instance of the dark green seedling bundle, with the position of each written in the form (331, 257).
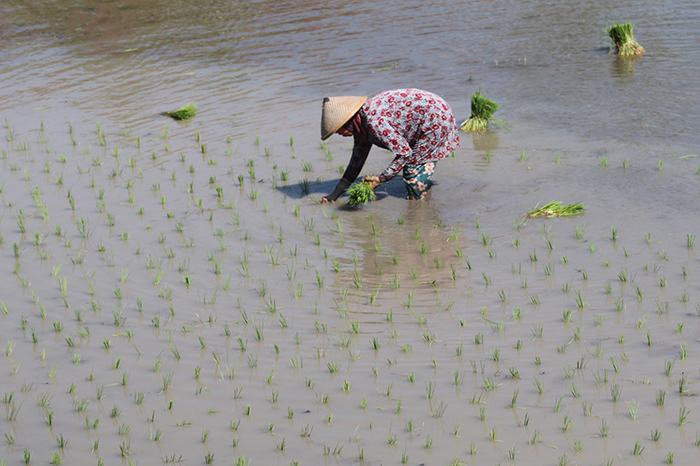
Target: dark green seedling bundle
(482, 113)
(183, 113)
(555, 209)
(624, 44)
(361, 193)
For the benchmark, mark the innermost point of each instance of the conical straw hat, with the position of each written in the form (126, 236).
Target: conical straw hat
(337, 111)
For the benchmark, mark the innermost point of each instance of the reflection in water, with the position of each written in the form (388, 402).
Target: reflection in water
(488, 140)
(413, 251)
(622, 67)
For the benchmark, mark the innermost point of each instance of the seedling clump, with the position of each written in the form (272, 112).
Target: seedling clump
(624, 44)
(555, 209)
(183, 113)
(482, 114)
(361, 193)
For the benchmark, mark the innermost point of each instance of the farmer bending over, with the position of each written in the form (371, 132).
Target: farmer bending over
(418, 127)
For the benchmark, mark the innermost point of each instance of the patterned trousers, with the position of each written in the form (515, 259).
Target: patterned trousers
(418, 179)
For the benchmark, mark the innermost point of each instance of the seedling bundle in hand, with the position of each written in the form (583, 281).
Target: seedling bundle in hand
(183, 113)
(555, 209)
(361, 193)
(624, 44)
(482, 113)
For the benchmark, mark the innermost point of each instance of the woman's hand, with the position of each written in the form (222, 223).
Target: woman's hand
(325, 201)
(372, 180)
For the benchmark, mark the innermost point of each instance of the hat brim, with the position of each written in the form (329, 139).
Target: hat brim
(346, 115)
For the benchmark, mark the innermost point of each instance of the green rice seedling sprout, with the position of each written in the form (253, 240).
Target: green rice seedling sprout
(624, 44)
(539, 384)
(638, 448)
(615, 392)
(660, 397)
(535, 438)
(558, 404)
(482, 111)
(566, 426)
(438, 411)
(360, 194)
(493, 434)
(183, 113)
(556, 209)
(632, 408)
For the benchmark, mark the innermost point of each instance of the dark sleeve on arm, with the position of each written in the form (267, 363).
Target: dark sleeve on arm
(360, 151)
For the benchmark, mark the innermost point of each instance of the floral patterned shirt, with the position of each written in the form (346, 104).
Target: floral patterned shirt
(416, 126)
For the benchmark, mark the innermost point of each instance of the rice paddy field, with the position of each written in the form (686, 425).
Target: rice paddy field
(172, 292)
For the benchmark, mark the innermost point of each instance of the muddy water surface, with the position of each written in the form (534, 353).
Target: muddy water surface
(172, 293)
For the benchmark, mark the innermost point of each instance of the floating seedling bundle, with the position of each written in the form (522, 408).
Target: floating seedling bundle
(482, 113)
(624, 44)
(555, 209)
(361, 193)
(183, 113)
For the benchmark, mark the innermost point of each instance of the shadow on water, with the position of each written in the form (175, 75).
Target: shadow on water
(318, 189)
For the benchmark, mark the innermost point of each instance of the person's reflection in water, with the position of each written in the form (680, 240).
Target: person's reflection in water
(384, 248)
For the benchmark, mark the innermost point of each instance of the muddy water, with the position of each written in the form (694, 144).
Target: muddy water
(148, 317)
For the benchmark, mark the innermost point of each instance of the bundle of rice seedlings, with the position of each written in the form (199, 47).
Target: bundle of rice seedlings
(183, 113)
(361, 193)
(482, 113)
(624, 44)
(555, 209)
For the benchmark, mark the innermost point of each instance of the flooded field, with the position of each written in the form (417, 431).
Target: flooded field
(173, 292)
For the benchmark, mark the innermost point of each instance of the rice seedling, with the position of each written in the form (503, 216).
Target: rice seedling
(638, 448)
(558, 404)
(556, 209)
(615, 392)
(438, 411)
(669, 457)
(482, 111)
(566, 425)
(624, 44)
(539, 383)
(493, 434)
(660, 397)
(360, 194)
(183, 113)
(632, 408)
(683, 415)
